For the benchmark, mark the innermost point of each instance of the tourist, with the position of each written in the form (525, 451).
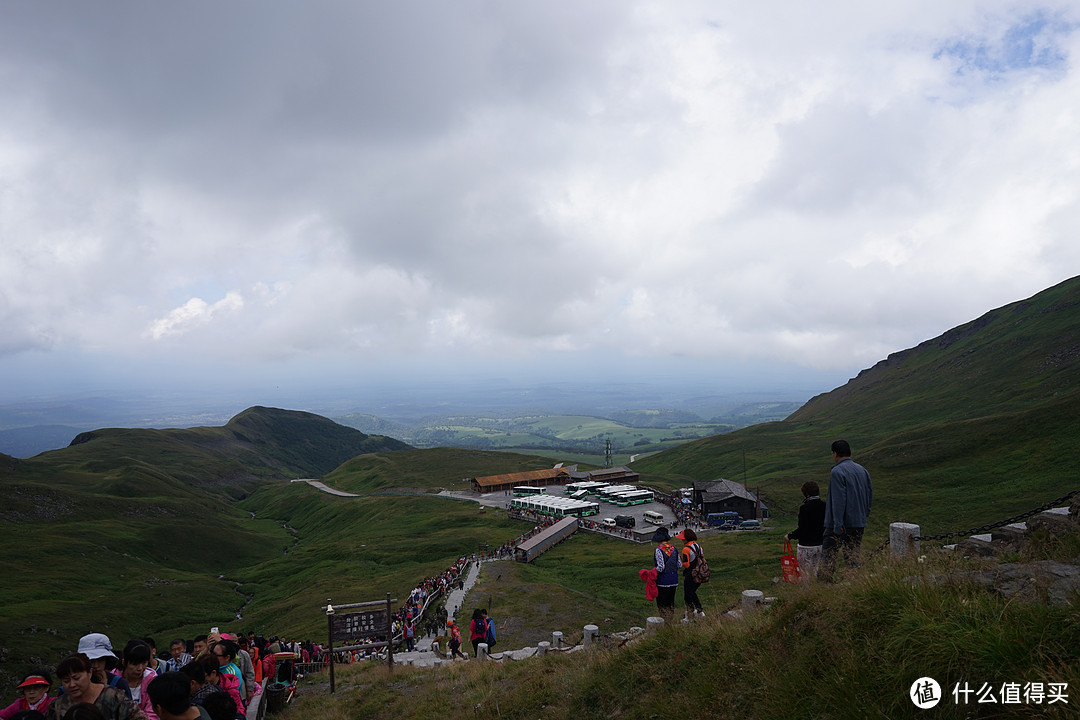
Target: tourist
(225, 651)
(77, 678)
(170, 696)
(35, 695)
(455, 640)
(846, 510)
(666, 559)
(98, 649)
(198, 687)
(155, 664)
(489, 630)
(477, 630)
(179, 658)
(810, 532)
(691, 555)
(134, 661)
(199, 646)
(226, 681)
(247, 668)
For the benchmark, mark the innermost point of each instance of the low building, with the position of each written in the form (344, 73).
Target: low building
(533, 478)
(716, 496)
(619, 475)
(545, 540)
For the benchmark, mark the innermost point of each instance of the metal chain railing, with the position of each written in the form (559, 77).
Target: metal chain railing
(1007, 521)
(990, 526)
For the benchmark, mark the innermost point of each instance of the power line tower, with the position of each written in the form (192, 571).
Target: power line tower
(607, 454)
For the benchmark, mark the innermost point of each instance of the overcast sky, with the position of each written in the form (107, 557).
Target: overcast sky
(323, 189)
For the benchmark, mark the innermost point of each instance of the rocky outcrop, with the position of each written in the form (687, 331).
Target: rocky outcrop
(1056, 583)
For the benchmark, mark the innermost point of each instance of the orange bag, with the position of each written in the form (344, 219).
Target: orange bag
(790, 565)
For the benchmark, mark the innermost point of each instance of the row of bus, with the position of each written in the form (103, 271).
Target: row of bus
(555, 506)
(619, 495)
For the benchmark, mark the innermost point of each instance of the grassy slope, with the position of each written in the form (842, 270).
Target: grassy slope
(836, 652)
(432, 470)
(127, 531)
(965, 429)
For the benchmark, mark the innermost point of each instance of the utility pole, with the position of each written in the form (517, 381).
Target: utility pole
(607, 454)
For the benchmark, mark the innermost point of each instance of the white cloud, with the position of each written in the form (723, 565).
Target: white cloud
(820, 186)
(193, 313)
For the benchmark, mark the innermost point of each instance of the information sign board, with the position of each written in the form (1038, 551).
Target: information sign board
(359, 625)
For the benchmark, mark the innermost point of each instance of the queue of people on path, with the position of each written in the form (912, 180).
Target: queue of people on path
(221, 673)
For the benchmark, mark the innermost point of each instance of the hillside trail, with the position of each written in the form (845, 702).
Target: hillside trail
(454, 600)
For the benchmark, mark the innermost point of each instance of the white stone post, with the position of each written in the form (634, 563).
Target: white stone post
(591, 631)
(542, 648)
(482, 651)
(752, 599)
(556, 640)
(902, 542)
(653, 624)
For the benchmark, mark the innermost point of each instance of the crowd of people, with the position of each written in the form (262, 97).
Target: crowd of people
(685, 515)
(221, 674)
(606, 529)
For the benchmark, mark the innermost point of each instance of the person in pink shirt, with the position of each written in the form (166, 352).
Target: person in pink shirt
(35, 695)
(134, 662)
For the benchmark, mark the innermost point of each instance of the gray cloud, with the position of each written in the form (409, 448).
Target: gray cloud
(263, 182)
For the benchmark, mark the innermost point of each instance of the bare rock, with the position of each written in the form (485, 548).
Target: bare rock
(1059, 581)
(1046, 580)
(1054, 523)
(969, 547)
(1007, 537)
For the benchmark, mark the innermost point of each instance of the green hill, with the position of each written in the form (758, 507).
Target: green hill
(256, 445)
(967, 428)
(135, 531)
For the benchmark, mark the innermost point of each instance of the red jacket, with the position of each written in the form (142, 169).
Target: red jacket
(649, 576)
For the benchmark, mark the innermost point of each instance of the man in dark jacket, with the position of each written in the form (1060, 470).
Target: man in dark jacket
(846, 510)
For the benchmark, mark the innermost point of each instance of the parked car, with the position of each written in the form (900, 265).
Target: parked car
(627, 521)
(750, 525)
(610, 522)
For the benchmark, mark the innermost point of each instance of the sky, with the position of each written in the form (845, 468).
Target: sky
(329, 192)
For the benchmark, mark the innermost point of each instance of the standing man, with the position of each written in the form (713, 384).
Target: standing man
(846, 510)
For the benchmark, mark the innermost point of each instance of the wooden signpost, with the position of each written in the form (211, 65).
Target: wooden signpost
(375, 621)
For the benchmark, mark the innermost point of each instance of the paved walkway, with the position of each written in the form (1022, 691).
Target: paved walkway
(321, 486)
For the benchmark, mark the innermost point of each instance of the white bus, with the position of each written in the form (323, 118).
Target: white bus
(633, 497)
(654, 517)
(526, 490)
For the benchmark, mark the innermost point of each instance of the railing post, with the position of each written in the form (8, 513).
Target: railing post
(653, 624)
(589, 639)
(752, 599)
(902, 542)
(330, 644)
